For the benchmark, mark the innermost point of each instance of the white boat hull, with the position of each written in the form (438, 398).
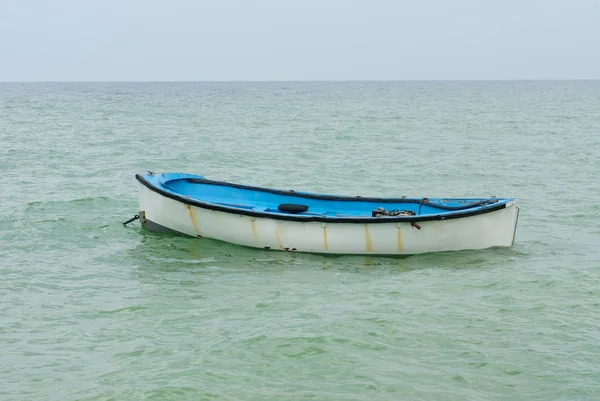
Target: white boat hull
(486, 230)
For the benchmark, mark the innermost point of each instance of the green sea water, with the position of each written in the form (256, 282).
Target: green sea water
(93, 310)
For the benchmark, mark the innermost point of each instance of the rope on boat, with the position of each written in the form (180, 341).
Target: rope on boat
(134, 218)
(382, 212)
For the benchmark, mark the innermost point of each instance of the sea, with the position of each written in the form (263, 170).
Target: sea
(91, 309)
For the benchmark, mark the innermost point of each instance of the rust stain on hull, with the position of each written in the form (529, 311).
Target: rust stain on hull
(399, 244)
(278, 235)
(325, 238)
(193, 219)
(368, 242)
(254, 232)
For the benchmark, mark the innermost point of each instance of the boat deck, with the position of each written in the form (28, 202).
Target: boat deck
(267, 200)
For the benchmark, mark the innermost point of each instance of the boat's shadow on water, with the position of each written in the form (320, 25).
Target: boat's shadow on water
(175, 252)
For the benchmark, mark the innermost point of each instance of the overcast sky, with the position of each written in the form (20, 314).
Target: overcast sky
(197, 40)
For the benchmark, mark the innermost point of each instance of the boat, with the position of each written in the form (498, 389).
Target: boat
(294, 221)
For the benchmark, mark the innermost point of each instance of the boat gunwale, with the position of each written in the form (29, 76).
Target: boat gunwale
(453, 213)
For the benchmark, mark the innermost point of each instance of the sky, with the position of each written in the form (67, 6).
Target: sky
(280, 40)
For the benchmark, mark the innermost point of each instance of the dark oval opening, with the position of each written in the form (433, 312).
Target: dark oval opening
(292, 208)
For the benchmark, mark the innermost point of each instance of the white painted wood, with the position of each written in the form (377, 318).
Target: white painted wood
(494, 229)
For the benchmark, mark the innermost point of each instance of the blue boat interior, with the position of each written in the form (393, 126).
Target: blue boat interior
(286, 202)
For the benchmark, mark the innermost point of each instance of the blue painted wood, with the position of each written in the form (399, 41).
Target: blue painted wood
(266, 200)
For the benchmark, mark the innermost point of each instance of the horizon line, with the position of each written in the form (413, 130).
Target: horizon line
(306, 80)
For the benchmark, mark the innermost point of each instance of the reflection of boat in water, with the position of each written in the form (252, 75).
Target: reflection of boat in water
(306, 222)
